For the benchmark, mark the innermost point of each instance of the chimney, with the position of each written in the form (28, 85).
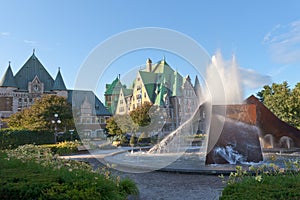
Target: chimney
(149, 65)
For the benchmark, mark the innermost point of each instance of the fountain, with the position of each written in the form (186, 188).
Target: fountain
(234, 129)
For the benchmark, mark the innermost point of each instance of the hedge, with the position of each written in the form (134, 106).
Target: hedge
(13, 138)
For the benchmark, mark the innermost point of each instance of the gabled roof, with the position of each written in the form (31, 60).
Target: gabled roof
(150, 82)
(8, 79)
(162, 67)
(30, 69)
(59, 82)
(77, 97)
(114, 87)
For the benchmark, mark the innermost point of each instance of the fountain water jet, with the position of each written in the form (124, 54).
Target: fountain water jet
(223, 123)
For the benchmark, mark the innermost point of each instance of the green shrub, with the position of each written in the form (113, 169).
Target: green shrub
(271, 187)
(264, 182)
(63, 148)
(13, 138)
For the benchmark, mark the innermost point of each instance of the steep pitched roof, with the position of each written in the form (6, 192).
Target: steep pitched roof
(77, 97)
(33, 67)
(59, 82)
(114, 87)
(177, 90)
(150, 82)
(8, 79)
(127, 92)
(197, 87)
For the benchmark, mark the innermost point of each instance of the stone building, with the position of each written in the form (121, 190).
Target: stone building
(32, 81)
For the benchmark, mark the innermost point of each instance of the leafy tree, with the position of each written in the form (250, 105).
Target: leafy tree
(112, 126)
(140, 115)
(41, 113)
(282, 101)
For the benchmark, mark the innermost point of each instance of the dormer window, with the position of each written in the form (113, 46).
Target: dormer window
(35, 86)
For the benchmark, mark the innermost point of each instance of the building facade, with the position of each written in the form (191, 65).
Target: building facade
(160, 85)
(32, 81)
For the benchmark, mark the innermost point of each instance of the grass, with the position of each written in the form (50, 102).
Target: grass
(35, 179)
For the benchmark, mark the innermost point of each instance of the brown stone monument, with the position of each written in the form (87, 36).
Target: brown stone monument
(234, 138)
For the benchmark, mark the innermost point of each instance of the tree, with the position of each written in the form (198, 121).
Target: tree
(112, 127)
(283, 102)
(41, 113)
(140, 115)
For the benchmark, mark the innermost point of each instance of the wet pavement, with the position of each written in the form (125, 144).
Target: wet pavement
(163, 185)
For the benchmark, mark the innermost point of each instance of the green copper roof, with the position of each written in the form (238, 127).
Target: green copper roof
(177, 90)
(150, 82)
(114, 87)
(8, 79)
(127, 92)
(160, 96)
(59, 82)
(30, 69)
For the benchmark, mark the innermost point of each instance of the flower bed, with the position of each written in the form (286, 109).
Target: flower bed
(264, 182)
(33, 172)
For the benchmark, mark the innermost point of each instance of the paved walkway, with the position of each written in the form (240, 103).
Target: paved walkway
(165, 185)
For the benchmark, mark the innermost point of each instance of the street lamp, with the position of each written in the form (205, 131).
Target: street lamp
(55, 121)
(71, 132)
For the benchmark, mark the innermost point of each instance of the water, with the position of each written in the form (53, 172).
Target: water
(230, 155)
(228, 91)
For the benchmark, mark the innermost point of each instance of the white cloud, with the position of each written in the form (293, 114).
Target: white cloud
(30, 42)
(4, 34)
(283, 42)
(253, 80)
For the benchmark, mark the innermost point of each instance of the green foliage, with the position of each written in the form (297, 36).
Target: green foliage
(264, 182)
(283, 102)
(13, 138)
(41, 113)
(140, 115)
(113, 127)
(63, 148)
(32, 172)
(271, 187)
(124, 141)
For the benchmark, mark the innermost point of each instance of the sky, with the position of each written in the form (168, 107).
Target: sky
(264, 36)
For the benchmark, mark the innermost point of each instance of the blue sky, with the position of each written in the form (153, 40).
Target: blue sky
(263, 35)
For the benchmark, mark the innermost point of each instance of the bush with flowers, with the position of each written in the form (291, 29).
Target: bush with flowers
(268, 181)
(34, 172)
